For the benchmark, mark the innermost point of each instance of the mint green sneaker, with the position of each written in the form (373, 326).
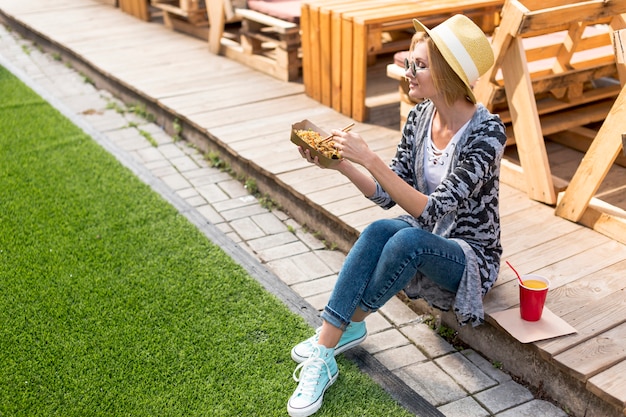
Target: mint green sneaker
(317, 373)
(355, 333)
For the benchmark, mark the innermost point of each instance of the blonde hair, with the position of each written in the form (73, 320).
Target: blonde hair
(445, 80)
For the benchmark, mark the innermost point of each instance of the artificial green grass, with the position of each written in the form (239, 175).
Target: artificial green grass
(113, 304)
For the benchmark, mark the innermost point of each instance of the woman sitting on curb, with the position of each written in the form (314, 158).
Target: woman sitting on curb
(445, 175)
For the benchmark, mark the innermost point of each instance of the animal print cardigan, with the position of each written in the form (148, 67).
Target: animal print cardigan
(464, 207)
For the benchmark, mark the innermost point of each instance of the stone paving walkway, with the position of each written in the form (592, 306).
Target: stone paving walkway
(458, 383)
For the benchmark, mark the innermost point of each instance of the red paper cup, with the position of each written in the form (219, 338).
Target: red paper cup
(532, 296)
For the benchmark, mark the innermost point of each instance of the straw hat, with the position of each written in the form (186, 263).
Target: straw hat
(464, 46)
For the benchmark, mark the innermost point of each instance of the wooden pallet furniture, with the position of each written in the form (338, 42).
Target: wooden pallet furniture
(187, 16)
(368, 26)
(137, 8)
(266, 42)
(554, 71)
(555, 85)
(321, 27)
(341, 39)
(575, 203)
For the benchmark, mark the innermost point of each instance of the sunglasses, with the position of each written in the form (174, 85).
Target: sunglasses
(413, 66)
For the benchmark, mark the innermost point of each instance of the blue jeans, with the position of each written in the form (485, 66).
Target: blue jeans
(384, 259)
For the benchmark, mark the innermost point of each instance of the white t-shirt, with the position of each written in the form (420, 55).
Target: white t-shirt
(437, 161)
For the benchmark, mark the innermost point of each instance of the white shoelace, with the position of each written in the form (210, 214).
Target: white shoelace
(309, 374)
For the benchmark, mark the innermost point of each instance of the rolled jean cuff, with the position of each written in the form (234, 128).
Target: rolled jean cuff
(330, 316)
(334, 319)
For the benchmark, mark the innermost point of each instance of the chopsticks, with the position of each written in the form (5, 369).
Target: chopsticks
(345, 129)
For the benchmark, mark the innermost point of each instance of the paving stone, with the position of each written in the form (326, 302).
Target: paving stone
(384, 340)
(176, 181)
(208, 212)
(504, 396)
(332, 259)
(433, 384)
(465, 407)
(427, 340)
(187, 193)
(150, 154)
(247, 229)
(284, 217)
(400, 357)
(266, 242)
(283, 251)
(85, 104)
(213, 194)
(196, 201)
(155, 166)
(464, 372)
(288, 271)
(206, 176)
(270, 224)
(195, 174)
(486, 366)
(239, 207)
(184, 163)
(109, 122)
(234, 188)
(318, 301)
(377, 323)
(306, 237)
(534, 408)
(225, 228)
(311, 265)
(314, 287)
(397, 312)
(171, 151)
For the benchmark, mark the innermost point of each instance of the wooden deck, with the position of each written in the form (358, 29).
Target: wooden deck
(246, 116)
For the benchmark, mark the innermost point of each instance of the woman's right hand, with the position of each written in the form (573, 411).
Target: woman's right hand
(306, 154)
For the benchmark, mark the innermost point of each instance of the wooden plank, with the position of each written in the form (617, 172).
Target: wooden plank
(609, 225)
(505, 296)
(592, 288)
(555, 250)
(136, 8)
(595, 165)
(217, 20)
(609, 385)
(526, 125)
(585, 11)
(596, 354)
(596, 317)
(305, 28)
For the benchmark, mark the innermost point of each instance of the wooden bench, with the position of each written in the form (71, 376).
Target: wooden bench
(265, 42)
(553, 86)
(322, 36)
(341, 38)
(577, 202)
(368, 26)
(187, 16)
(137, 8)
(554, 71)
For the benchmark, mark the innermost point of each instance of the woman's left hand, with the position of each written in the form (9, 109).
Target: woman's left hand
(351, 146)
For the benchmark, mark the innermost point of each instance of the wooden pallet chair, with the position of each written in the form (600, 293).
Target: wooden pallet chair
(577, 202)
(554, 70)
(186, 16)
(269, 38)
(137, 8)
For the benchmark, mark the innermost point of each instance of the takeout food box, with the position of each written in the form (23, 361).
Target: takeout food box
(308, 125)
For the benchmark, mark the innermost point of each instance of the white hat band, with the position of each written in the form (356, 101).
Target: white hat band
(461, 54)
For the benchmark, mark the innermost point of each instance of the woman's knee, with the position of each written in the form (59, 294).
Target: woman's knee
(384, 227)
